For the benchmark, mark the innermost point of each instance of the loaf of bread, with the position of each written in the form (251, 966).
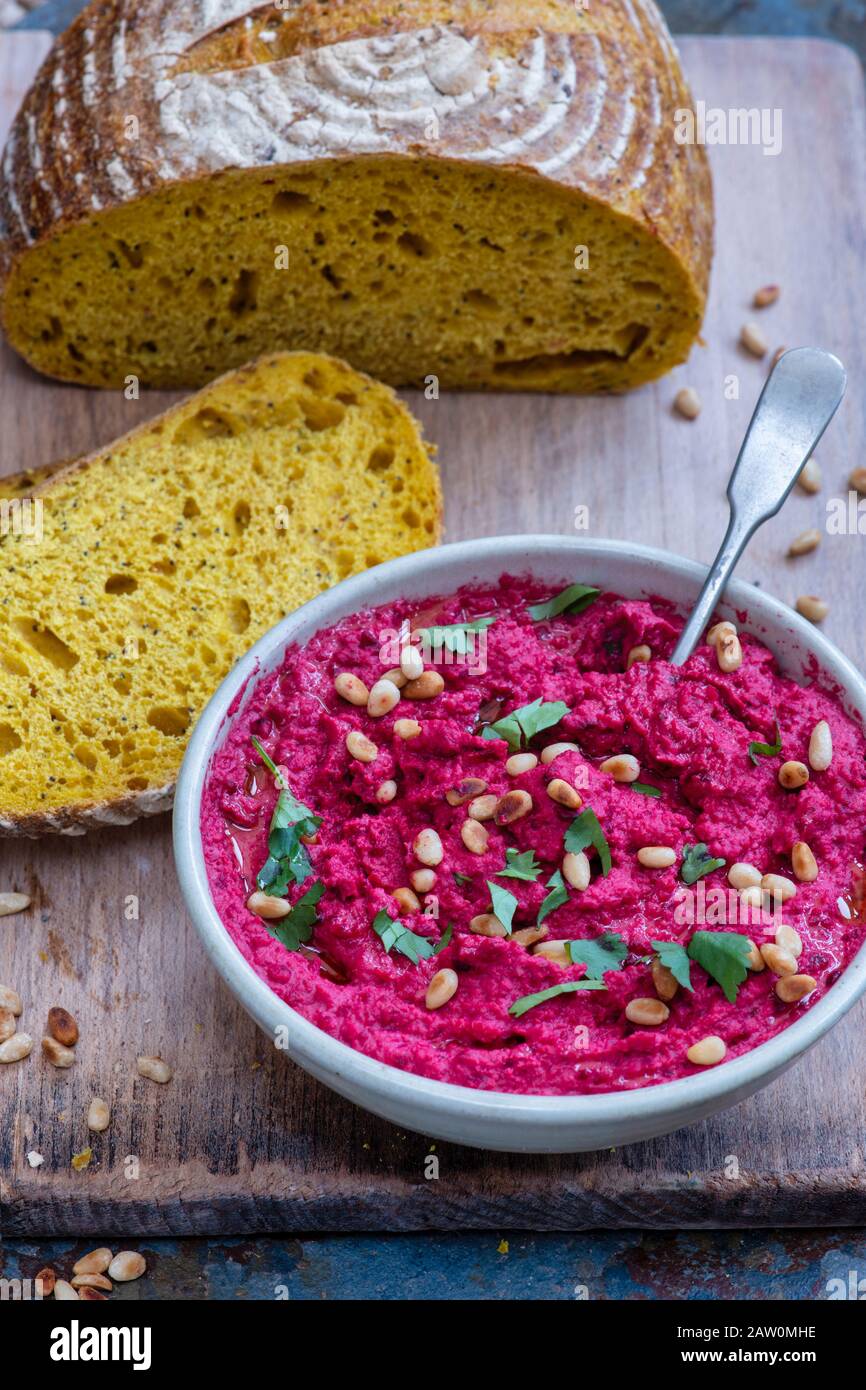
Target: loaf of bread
(165, 556)
(488, 192)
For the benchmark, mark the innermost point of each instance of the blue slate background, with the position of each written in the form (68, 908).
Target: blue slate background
(744, 1265)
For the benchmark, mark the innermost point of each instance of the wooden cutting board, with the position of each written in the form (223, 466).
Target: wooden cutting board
(241, 1140)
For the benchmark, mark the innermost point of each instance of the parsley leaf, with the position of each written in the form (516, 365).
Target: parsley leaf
(504, 905)
(724, 955)
(529, 1001)
(287, 861)
(395, 935)
(676, 958)
(766, 750)
(444, 940)
(520, 865)
(455, 636)
(574, 599)
(526, 722)
(584, 831)
(268, 761)
(459, 878)
(556, 897)
(297, 927)
(606, 952)
(645, 789)
(697, 862)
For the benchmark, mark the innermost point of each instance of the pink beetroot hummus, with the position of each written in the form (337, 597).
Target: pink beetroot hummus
(689, 730)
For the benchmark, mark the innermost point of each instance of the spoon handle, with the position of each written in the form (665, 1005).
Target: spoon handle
(800, 398)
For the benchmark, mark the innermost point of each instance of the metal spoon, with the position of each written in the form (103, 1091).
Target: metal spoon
(799, 399)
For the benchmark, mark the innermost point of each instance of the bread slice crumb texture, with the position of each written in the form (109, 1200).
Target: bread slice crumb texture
(166, 556)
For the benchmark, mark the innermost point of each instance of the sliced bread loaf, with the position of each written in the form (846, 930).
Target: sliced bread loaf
(490, 193)
(165, 556)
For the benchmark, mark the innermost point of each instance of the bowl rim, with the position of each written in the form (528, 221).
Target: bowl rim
(334, 1059)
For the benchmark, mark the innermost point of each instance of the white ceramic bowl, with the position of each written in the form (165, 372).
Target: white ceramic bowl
(493, 1119)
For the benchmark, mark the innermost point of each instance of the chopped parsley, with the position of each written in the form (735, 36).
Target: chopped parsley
(574, 599)
(676, 958)
(585, 830)
(455, 636)
(766, 750)
(529, 1001)
(460, 879)
(605, 952)
(444, 940)
(697, 862)
(524, 723)
(725, 956)
(504, 905)
(556, 897)
(397, 937)
(645, 789)
(293, 930)
(287, 861)
(519, 865)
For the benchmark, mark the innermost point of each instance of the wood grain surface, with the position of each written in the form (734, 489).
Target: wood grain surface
(241, 1140)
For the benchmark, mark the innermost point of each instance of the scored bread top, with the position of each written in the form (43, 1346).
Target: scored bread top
(164, 557)
(137, 95)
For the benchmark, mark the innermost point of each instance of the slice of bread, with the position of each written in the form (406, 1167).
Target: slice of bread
(165, 556)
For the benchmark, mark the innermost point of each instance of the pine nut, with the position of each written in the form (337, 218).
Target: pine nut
(641, 655)
(64, 1292)
(383, 697)
(553, 750)
(511, 807)
(351, 688)
(778, 887)
(820, 747)
(708, 1052)
(474, 836)
(7, 1024)
(519, 763)
(743, 875)
(98, 1115)
(857, 480)
(395, 676)
(795, 987)
(483, 807)
(361, 748)
(11, 1000)
(465, 791)
(793, 775)
(423, 880)
(810, 478)
(765, 296)
(155, 1069)
(649, 1012)
(95, 1262)
(426, 687)
(779, 961)
(15, 1048)
(812, 608)
(57, 1054)
(554, 951)
(386, 791)
(442, 987)
(788, 939)
(688, 403)
(45, 1281)
(411, 663)
(91, 1296)
(804, 863)
(126, 1265)
(806, 542)
(564, 794)
(722, 629)
(13, 902)
(664, 981)
(528, 936)
(92, 1281)
(406, 900)
(264, 905)
(487, 924)
(62, 1026)
(753, 897)
(576, 869)
(656, 857)
(407, 728)
(623, 767)
(729, 652)
(753, 340)
(427, 848)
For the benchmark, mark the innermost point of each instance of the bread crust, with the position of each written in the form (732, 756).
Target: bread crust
(79, 817)
(585, 98)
